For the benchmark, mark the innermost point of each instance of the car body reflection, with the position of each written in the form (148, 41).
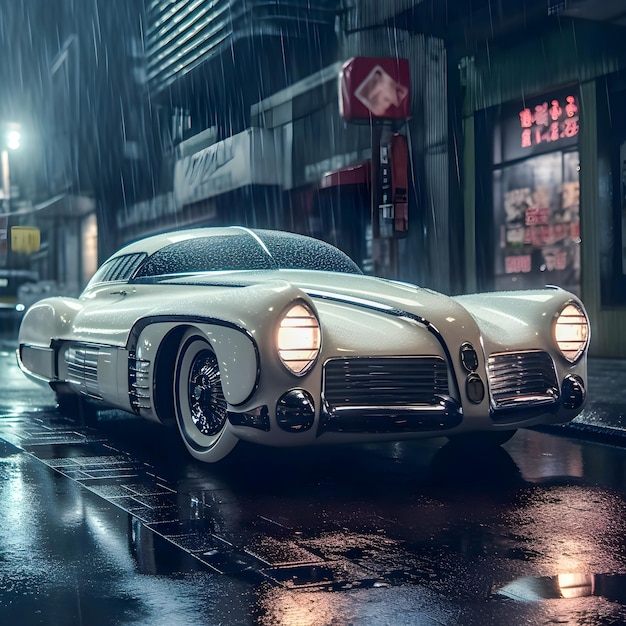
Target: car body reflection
(567, 585)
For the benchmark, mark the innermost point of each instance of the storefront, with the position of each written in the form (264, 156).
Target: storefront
(362, 180)
(545, 172)
(535, 194)
(57, 240)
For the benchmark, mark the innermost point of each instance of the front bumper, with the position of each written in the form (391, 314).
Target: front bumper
(374, 399)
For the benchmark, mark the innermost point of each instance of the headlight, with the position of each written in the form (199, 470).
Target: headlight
(571, 332)
(298, 338)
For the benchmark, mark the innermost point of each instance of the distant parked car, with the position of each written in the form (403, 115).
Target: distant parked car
(279, 339)
(12, 306)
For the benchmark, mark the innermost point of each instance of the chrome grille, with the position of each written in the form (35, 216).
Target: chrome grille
(522, 378)
(82, 369)
(385, 381)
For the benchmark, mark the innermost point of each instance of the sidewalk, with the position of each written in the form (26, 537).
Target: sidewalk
(604, 415)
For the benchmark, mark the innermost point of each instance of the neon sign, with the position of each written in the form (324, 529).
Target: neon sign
(549, 121)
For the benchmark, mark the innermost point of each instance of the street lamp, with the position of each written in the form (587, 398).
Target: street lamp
(12, 142)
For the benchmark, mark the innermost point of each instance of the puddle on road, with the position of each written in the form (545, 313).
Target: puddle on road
(612, 587)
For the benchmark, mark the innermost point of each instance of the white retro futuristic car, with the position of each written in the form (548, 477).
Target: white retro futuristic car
(279, 339)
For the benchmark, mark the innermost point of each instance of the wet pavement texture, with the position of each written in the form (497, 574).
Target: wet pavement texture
(112, 523)
(605, 412)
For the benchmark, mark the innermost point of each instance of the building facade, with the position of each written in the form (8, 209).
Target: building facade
(78, 94)
(543, 161)
(515, 139)
(256, 135)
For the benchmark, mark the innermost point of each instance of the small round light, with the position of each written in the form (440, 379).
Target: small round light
(295, 411)
(571, 332)
(298, 338)
(469, 358)
(573, 392)
(475, 388)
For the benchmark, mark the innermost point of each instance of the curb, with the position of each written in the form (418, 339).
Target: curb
(589, 432)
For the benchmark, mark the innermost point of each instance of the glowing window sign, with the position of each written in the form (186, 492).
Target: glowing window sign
(549, 121)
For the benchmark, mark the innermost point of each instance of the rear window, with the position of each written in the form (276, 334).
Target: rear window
(207, 254)
(291, 251)
(120, 268)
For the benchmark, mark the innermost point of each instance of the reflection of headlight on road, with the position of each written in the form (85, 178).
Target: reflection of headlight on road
(576, 585)
(20, 308)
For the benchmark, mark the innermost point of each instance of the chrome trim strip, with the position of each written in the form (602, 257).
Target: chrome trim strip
(379, 420)
(82, 369)
(138, 383)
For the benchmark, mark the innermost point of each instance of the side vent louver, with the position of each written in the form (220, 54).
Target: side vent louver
(138, 382)
(82, 370)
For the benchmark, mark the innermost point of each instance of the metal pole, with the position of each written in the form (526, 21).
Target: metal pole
(6, 182)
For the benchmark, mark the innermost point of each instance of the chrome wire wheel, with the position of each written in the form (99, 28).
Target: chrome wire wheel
(201, 408)
(206, 398)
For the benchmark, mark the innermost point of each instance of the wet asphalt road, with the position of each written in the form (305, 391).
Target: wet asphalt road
(113, 523)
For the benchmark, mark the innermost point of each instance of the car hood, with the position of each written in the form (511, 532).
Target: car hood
(504, 317)
(350, 289)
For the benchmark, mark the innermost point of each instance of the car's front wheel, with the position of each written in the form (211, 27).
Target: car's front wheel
(200, 406)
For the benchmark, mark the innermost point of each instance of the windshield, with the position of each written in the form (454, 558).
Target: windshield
(245, 250)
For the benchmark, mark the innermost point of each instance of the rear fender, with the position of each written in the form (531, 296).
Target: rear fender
(51, 318)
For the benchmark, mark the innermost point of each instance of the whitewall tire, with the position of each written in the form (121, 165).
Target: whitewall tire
(200, 406)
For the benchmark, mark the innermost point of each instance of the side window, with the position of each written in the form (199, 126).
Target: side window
(126, 266)
(119, 268)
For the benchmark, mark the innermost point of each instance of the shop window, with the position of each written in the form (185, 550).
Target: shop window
(537, 213)
(534, 239)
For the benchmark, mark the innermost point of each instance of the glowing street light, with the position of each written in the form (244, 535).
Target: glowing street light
(11, 141)
(14, 138)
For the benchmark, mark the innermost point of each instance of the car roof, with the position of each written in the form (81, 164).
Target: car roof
(190, 250)
(156, 242)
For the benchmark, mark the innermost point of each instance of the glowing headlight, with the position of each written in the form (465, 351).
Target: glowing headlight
(298, 338)
(571, 332)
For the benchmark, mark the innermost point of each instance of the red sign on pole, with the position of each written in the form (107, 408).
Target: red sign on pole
(374, 88)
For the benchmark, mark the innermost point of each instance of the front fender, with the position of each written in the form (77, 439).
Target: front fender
(516, 320)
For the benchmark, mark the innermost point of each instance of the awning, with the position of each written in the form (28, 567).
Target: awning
(60, 206)
(249, 158)
(354, 175)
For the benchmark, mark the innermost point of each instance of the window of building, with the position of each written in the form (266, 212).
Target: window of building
(536, 194)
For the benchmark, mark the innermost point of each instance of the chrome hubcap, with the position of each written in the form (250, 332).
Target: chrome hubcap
(206, 399)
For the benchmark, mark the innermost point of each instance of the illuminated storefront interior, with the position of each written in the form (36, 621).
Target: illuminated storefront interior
(536, 194)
